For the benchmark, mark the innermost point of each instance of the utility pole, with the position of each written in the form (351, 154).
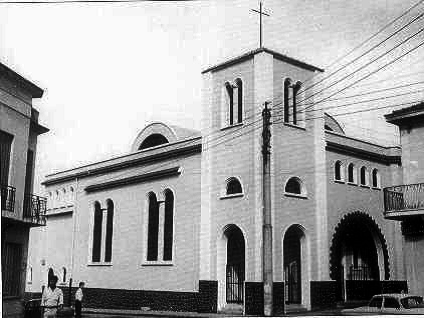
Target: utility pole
(261, 13)
(267, 227)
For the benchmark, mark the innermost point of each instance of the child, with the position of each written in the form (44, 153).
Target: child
(78, 300)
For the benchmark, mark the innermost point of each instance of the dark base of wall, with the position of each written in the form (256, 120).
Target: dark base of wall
(254, 303)
(135, 299)
(364, 290)
(207, 298)
(323, 294)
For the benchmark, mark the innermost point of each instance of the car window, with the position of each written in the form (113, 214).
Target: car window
(376, 302)
(390, 302)
(412, 302)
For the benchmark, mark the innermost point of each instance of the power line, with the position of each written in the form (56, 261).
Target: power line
(363, 66)
(370, 37)
(371, 92)
(363, 54)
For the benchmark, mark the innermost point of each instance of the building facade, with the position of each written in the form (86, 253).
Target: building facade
(20, 208)
(404, 202)
(177, 223)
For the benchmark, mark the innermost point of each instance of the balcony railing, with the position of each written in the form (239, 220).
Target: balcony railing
(404, 199)
(35, 209)
(8, 198)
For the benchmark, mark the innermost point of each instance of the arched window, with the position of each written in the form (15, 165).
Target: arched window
(351, 173)
(233, 186)
(296, 89)
(97, 232)
(63, 275)
(230, 101)
(364, 176)
(168, 230)
(294, 186)
(375, 178)
(152, 141)
(239, 85)
(109, 230)
(287, 85)
(338, 171)
(153, 228)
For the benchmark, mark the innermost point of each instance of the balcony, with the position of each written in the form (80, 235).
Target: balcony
(404, 201)
(35, 209)
(7, 199)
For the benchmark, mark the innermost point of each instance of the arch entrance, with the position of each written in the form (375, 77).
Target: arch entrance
(293, 264)
(235, 266)
(358, 256)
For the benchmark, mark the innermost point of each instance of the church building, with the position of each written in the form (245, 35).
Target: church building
(177, 223)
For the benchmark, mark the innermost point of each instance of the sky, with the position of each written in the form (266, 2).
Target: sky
(109, 69)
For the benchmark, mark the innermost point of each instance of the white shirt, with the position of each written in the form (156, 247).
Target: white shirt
(52, 298)
(78, 294)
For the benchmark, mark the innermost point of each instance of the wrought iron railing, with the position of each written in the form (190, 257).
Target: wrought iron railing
(35, 209)
(235, 283)
(8, 198)
(404, 197)
(360, 273)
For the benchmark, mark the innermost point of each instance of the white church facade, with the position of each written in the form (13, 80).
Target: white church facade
(176, 224)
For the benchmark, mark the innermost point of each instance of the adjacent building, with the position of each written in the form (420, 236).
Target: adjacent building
(176, 224)
(21, 209)
(404, 202)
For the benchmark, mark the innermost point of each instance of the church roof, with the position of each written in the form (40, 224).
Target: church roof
(250, 55)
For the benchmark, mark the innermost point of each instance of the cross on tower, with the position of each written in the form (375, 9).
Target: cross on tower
(261, 13)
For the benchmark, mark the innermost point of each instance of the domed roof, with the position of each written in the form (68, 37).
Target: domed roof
(332, 125)
(158, 133)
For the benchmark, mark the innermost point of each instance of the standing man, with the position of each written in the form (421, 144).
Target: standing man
(78, 300)
(52, 298)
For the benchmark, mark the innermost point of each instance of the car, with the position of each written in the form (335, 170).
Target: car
(391, 304)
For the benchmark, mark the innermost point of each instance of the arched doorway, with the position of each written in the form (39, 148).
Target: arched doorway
(235, 265)
(358, 257)
(292, 249)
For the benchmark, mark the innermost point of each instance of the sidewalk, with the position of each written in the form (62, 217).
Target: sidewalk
(149, 313)
(152, 313)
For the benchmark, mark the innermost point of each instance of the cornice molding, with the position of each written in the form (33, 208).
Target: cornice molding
(363, 154)
(166, 173)
(166, 155)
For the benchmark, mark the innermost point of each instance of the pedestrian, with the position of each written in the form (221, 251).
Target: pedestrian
(52, 298)
(78, 300)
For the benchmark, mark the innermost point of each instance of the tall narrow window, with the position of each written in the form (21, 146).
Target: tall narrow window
(5, 148)
(97, 232)
(351, 173)
(287, 84)
(338, 171)
(63, 274)
(230, 99)
(239, 85)
(375, 178)
(109, 230)
(296, 89)
(153, 228)
(168, 230)
(364, 178)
